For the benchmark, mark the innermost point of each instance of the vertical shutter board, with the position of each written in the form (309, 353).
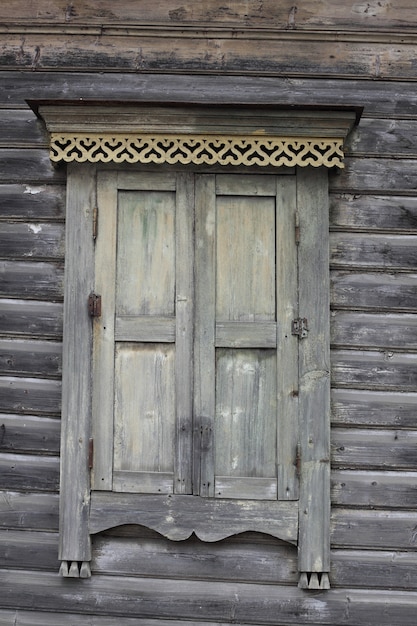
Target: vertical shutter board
(287, 344)
(103, 353)
(76, 400)
(204, 351)
(184, 332)
(145, 265)
(314, 364)
(245, 424)
(245, 429)
(245, 258)
(144, 407)
(144, 385)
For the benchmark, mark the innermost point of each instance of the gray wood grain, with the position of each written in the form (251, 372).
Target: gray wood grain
(373, 212)
(395, 409)
(76, 393)
(26, 279)
(23, 472)
(30, 395)
(368, 369)
(29, 433)
(364, 250)
(204, 351)
(314, 371)
(371, 448)
(382, 489)
(31, 240)
(373, 529)
(211, 519)
(30, 165)
(149, 599)
(26, 357)
(374, 330)
(29, 318)
(25, 511)
(376, 291)
(32, 201)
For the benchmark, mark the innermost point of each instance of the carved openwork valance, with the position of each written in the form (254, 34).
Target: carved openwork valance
(196, 134)
(196, 149)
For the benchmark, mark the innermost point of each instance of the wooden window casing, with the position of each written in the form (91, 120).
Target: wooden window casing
(193, 332)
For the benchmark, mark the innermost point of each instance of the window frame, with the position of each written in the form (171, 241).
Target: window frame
(313, 393)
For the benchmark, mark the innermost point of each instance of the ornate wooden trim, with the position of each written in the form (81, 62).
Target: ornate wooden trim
(215, 134)
(196, 149)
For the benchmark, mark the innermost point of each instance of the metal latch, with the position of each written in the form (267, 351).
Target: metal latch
(299, 327)
(94, 305)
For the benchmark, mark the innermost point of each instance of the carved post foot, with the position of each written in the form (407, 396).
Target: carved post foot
(314, 580)
(75, 569)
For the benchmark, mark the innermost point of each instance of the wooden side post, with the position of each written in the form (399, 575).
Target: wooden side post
(314, 372)
(75, 549)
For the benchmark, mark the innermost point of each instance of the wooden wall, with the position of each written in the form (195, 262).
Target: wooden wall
(318, 52)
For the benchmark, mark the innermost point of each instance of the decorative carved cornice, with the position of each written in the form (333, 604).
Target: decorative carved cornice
(129, 132)
(196, 149)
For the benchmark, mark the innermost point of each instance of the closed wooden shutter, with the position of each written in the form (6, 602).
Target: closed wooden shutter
(195, 368)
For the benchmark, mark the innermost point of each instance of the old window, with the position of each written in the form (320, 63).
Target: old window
(196, 340)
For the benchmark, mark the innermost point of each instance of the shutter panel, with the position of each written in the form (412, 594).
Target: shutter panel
(146, 329)
(237, 395)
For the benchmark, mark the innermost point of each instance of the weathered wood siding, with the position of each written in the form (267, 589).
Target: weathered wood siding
(356, 53)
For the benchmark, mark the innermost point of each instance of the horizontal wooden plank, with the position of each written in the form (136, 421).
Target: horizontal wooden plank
(249, 487)
(37, 511)
(39, 618)
(355, 528)
(385, 370)
(26, 357)
(29, 433)
(312, 15)
(374, 290)
(246, 335)
(177, 517)
(372, 568)
(32, 279)
(145, 328)
(19, 128)
(31, 240)
(373, 251)
(143, 482)
(351, 407)
(374, 489)
(30, 395)
(24, 472)
(380, 98)
(28, 165)
(372, 175)
(285, 52)
(373, 212)
(397, 331)
(389, 449)
(375, 137)
(32, 202)
(29, 549)
(26, 317)
(151, 598)
(233, 560)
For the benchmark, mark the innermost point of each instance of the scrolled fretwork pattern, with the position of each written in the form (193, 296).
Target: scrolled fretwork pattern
(198, 150)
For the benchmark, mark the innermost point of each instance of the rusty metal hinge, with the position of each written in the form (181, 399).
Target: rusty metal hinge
(90, 453)
(299, 327)
(94, 305)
